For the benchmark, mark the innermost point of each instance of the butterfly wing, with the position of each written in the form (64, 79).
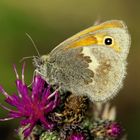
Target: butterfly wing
(94, 72)
(87, 32)
(83, 65)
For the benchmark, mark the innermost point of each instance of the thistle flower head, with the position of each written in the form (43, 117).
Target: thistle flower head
(31, 105)
(74, 132)
(107, 129)
(77, 136)
(114, 130)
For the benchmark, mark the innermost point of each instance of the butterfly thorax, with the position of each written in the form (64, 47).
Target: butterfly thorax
(40, 65)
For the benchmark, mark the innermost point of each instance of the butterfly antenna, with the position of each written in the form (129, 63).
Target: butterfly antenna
(33, 44)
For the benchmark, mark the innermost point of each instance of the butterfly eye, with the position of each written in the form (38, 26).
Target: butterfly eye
(108, 40)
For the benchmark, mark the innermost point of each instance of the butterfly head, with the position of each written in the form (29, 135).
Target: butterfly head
(40, 63)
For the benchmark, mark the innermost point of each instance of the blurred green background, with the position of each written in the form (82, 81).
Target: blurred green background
(49, 22)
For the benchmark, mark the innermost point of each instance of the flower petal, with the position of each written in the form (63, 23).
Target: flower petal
(14, 100)
(27, 131)
(38, 86)
(47, 124)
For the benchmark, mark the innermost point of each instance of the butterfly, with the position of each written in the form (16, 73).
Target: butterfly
(91, 63)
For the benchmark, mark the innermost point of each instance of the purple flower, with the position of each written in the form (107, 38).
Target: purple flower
(114, 130)
(33, 106)
(77, 136)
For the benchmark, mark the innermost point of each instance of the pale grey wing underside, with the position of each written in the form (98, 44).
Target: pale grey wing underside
(69, 68)
(91, 70)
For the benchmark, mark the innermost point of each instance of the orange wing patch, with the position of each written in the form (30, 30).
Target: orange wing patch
(84, 38)
(86, 41)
